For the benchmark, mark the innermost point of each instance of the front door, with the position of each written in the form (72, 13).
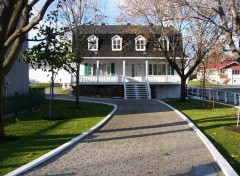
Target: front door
(133, 70)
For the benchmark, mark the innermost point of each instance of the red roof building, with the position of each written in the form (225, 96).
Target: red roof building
(222, 73)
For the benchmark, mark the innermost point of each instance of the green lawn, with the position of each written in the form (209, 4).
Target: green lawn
(39, 136)
(212, 123)
(36, 85)
(198, 84)
(64, 91)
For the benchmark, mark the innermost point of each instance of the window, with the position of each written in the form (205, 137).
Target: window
(92, 43)
(92, 69)
(159, 69)
(140, 43)
(116, 43)
(223, 72)
(168, 69)
(150, 68)
(164, 42)
(105, 69)
(236, 72)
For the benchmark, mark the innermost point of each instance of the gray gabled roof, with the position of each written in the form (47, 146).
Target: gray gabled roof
(128, 33)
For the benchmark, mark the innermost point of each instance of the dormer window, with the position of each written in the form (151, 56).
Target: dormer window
(140, 43)
(117, 43)
(92, 43)
(164, 42)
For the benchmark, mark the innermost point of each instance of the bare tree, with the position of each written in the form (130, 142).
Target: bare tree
(190, 40)
(76, 13)
(15, 22)
(224, 14)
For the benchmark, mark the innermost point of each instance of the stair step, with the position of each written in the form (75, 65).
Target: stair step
(136, 91)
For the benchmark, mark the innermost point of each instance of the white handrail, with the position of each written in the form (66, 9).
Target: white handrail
(125, 91)
(149, 89)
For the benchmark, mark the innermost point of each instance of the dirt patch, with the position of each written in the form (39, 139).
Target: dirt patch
(233, 128)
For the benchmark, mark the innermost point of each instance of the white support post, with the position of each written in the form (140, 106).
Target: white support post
(235, 98)
(238, 119)
(124, 69)
(225, 97)
(146, 65)
(98, 72)
(209, 95)
(63, 85)
(217, 98)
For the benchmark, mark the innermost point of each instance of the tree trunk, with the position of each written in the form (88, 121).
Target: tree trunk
(77, 86)
(2, 134)
(204, 86)
(51, 108)
(183, 89)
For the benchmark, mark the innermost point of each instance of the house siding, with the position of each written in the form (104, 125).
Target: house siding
(18, 77)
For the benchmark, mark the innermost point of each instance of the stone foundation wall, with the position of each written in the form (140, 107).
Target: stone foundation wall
(100, 90)
(166, 91)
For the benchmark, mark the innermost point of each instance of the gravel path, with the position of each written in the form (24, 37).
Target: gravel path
(143, 138)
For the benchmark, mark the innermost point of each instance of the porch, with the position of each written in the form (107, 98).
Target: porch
(131, 78)
(120, 79)
(116, 70)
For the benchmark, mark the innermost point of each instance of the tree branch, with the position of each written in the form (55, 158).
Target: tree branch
(15, 17)
(12, 56)
(29, 26)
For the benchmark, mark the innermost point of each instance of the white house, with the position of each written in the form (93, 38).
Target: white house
(222, 73)
(38, 75)
(118, 61)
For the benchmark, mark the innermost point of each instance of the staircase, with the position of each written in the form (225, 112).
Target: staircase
(136, 91)
(226, 81)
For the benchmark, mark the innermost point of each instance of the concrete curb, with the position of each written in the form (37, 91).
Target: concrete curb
(219, 159)
(54, 152)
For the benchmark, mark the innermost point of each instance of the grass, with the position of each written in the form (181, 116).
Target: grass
(64, 91)
(37, 85)
(212, 123)
(38, 136)
(198, 84)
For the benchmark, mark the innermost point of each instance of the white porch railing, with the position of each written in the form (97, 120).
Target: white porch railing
(164, 78)
(95, 79)
(135, 79)
(122, 79)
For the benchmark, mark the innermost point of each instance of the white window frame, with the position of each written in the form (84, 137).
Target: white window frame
(116, 38)
(155, 69)
(90, 39)
(142, 46)
(160, 42)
